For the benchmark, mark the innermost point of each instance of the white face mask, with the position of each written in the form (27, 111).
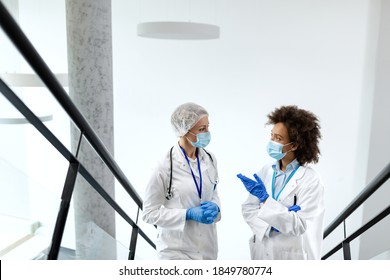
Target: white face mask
(275, 149)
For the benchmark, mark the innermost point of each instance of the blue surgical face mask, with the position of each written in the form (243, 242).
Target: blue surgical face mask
(202, 139)
(275, 149)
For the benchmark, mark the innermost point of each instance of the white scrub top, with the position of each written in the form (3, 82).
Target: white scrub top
(301, 233)
(178, 238)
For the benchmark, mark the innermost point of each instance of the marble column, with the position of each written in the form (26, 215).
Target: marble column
(91, 88)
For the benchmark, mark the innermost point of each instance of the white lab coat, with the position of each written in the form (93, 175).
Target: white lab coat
(301, 233)
(178, 238)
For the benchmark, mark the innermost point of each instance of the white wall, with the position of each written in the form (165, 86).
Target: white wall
(376, 240)
(312, 53)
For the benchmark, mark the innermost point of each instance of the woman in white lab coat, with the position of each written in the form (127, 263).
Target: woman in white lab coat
(181, 197)
(285, 207)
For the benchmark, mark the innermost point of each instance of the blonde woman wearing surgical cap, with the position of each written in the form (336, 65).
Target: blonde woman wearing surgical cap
(181, 198)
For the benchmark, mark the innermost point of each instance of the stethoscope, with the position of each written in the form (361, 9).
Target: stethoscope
(169, 194)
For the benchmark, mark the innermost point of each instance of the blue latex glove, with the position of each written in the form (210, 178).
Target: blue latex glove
(255, 188)
(197, 214)
(210, 210)
(294, 208)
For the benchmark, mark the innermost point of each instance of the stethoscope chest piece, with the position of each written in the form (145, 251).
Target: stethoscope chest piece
(168, 195)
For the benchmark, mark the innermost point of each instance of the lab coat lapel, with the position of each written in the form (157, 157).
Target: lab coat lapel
(205, 160)
(183, 162)
(293, 183)
(183, 165)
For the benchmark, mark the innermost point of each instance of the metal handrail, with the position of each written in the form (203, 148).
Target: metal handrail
(375, 184)
(16, 35)
(358, 232)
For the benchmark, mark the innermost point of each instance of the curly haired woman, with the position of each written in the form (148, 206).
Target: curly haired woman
(285, 207)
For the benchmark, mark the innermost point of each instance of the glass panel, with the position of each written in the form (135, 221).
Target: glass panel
(126, 203)
(108, 249)
(373, 243)
(95, 165)
(332, 240)
(123, 233)
(90, 232)
(144, 250)
(32, 173)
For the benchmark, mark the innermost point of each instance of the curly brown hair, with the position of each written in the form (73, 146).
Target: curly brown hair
(303, 128)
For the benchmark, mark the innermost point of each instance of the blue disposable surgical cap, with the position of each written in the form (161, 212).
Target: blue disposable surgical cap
(186, 116)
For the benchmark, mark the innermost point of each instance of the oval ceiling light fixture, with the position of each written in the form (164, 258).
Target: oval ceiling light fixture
(24, 120)
(178, 30)
(30, 79)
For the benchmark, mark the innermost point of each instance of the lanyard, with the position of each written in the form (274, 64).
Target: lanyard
(198, 187)
(285, 183)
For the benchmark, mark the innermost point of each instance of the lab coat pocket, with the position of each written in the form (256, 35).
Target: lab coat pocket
(293, 255)
(170, 239)
(253, 248)
(212, 176)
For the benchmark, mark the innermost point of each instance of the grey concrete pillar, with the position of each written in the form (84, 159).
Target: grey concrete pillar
(91, 88)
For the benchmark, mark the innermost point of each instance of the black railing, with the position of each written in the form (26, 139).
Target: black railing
(370, 189)
(28, 51)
